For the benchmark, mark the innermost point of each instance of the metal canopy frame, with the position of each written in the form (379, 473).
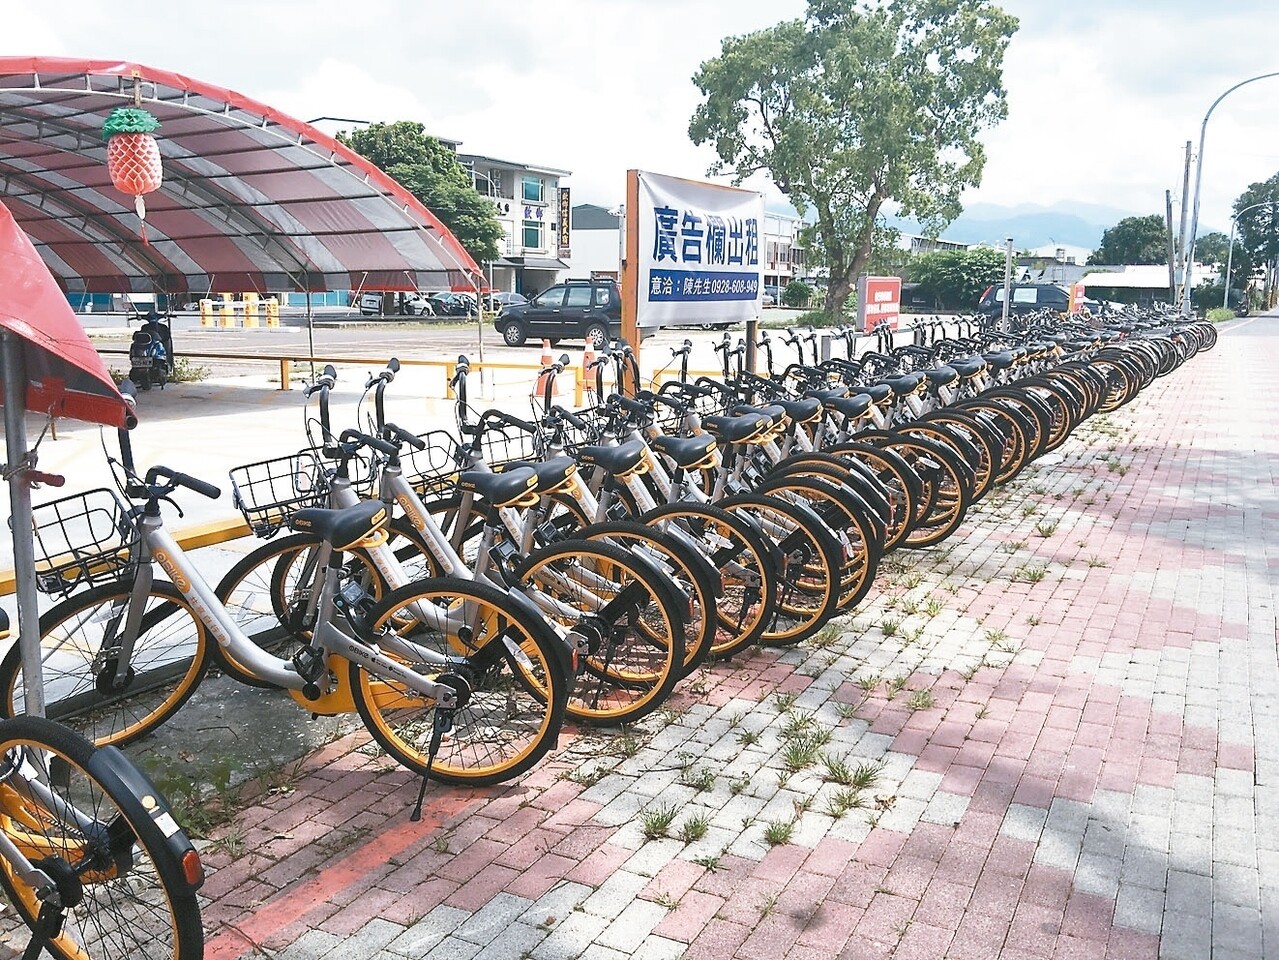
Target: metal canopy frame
(252, 198)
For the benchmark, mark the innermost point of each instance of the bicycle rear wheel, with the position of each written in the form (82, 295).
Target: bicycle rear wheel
(508, 666)
(629, 614)
(80, 644)
(133, 901)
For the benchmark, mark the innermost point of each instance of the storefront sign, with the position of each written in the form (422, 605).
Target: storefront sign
(566, 224)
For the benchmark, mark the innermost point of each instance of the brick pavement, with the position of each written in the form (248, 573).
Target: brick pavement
(1048, 737)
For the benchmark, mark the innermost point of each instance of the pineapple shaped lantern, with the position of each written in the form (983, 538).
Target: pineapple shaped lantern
(133, 156)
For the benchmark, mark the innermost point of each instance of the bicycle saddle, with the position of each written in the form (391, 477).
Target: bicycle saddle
(551, 474)
(345, 527)
(850, 406)
(941, 375)
(616, 460)
(685, 451)
(878, 392)
(737, 429)
(501, 489)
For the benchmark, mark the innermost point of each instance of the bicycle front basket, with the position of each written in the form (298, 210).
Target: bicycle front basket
(83, 539)
(433, 470)
(271, 491)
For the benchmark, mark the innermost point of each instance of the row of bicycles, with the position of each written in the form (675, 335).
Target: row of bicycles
(467, 592)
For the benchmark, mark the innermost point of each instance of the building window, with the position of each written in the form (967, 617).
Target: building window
(495, 181)
(533, 234)
(533, 190)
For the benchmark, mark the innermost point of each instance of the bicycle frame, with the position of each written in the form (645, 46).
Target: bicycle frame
(159, 545)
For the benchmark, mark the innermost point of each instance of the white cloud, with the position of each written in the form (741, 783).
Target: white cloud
(1102, 95)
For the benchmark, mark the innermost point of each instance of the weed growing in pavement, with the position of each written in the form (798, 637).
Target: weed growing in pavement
(826, 636)
(1033, 620)
(797, 725)
(663, 899)
(801, 753)
(847, 711)
(656, 821)
(837, 769)
(889, 626)
(777, 832)
(441, 844)
(800, 805)
(748, 738)
(841, 801)
(782, 702)
(912, 637)
(710, 861)
(769, 903)
(739, 785)
(868, 682)
(233, 841)
(892, 603)
(1097, 562)
(700, 778)
(666, 716)
(694, 828)
(909, 606)
(971, 671)
(982, 712)
(736, 718)
(913, 580)
(1029, 510)
(866, 775)
(1032, 574)
(920, 700)
(1045, 528)
(933, 606)
(586, 777)
(896, 685)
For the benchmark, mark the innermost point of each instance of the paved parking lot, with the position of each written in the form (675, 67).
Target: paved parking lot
(1051, 736)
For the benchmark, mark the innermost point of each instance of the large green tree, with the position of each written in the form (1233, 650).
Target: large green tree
(1257, 227)
(957, 278)
(858, 105)
(431, 172)
(1134, 240)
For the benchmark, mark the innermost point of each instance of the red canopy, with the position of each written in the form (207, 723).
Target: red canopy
(65, 375)
(252, 198)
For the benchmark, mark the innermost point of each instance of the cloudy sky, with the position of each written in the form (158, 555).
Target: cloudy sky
(1103, 94)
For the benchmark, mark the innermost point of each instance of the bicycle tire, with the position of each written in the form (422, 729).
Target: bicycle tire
(741, 554)
(905, 489)
(144, 912)
(808, 581)
(510, 660)
(630, 616)
(694, 577)
(170, 657)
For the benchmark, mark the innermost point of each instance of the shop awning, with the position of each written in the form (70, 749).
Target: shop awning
(252, 198)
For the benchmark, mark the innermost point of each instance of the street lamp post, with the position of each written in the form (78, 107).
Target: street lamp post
(1199, 170)
(487, 269)
(1230, 253)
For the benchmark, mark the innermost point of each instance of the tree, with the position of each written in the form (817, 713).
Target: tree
(957, 278)
(856, 106)
(1134, 240)
(1257, 228)
(1212, 247)
(430, 171)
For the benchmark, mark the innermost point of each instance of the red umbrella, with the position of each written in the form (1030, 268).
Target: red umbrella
(48, 367)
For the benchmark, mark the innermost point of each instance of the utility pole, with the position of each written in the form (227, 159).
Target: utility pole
(1185, 207)
(1172, 251)
(1008, 280)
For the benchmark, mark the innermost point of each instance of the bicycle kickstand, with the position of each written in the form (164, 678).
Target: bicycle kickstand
(47, 926)
(443, 723)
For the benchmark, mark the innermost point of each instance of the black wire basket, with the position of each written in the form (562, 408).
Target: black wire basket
(432, 471)
(81, 540)
(502, 443)
(270, 491)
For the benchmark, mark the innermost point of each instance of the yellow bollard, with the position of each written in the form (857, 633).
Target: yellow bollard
(227, 310)
(272, 312)
(250, 309)
(206, 312)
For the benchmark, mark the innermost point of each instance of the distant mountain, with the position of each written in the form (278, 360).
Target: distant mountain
(1030, 225)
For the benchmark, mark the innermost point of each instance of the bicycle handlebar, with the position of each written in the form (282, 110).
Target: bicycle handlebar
(405, 436)
(177, 479)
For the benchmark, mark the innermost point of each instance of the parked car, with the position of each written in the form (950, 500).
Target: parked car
(452, 304)
(590, 310)
(772, 295)
(1029, 297)
(414, 305)
(502, 299)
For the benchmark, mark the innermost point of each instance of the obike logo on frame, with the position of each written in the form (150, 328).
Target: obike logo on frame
(168, 566)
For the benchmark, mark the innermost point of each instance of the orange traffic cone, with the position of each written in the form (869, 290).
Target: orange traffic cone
(539, 388)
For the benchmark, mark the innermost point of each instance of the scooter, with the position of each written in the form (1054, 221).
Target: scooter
(151, 353)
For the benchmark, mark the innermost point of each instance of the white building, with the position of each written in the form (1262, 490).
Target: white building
(528, 202)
